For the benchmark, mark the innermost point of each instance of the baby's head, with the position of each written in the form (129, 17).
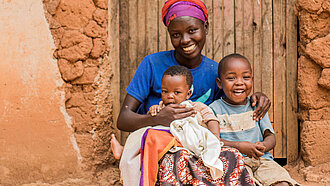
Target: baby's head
(235, 78)
(176, 84)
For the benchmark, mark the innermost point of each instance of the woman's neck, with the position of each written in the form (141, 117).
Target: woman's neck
(189, 63)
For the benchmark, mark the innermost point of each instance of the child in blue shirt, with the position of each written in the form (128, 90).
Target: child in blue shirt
(254, 139)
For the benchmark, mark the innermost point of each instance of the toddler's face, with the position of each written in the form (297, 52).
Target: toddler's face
(236, 80)
(174, 89)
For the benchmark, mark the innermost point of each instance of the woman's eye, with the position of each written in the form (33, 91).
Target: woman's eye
(175, 35)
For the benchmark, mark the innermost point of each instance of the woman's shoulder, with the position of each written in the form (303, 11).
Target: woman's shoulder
(160, 55)
(209, 61)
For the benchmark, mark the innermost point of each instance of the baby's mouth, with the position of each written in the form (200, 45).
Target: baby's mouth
(189, 48)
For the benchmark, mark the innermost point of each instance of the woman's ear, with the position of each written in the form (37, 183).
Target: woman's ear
(206, 27)
(219, 83)
(189, 93)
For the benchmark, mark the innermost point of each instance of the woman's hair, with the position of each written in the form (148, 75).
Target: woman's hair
(178, 8)
(178, 70)
(227, 58)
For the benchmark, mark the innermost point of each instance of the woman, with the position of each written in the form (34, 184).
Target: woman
(188, 26)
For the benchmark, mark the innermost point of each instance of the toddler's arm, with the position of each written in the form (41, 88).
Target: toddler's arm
(269, 141)
(245, 147)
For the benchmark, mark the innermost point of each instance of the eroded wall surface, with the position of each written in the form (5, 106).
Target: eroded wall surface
(314, 87)
(55, 99)
(36, 140)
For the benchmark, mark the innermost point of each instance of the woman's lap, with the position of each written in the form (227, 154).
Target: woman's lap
(182, 168)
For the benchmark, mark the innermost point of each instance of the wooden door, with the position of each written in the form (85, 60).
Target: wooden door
(265, 31)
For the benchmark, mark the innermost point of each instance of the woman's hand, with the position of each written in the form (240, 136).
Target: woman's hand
(173, 112)
(263, 105)
(251, 149)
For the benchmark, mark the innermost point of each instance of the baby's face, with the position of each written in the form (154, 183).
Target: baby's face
(174, 89)
(236, 80)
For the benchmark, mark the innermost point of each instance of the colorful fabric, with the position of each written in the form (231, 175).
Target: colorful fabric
(179, 8)
(146, 83)
(237, 124)
(183, 168)
(154, 144)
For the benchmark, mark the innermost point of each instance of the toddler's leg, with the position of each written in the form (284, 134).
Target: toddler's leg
(116, 148)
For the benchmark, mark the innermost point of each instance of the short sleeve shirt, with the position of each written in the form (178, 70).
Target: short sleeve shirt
(237, 124)
(146, 83)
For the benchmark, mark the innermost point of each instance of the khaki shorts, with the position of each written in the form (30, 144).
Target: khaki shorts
(267, 172)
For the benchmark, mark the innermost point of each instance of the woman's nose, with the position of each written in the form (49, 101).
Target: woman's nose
(185, 39)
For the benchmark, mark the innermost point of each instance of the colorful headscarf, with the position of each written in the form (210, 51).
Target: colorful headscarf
(179, 8)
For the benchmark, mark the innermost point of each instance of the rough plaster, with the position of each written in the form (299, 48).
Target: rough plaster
(313, 87)
(36, 144)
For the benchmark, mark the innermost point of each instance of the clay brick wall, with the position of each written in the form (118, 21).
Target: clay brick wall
(314, 80)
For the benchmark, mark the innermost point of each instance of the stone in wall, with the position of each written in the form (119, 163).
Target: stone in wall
(313, 144)
(311, 95)
(324, 80)
(319, 51)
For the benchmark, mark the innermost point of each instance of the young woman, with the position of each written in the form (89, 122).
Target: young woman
(188, 26)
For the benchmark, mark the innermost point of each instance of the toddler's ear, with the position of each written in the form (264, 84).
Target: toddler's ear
(189, 93)
(219, 83)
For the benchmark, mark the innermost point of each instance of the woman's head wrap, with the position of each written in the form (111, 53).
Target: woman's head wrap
(179, 8)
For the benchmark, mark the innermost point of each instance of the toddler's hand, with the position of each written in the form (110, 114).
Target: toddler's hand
(260, 146)
(250, 149)
(154, 109)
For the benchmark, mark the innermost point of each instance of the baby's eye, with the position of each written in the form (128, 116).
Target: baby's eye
(191, 31)
(177, 92)
(164, 91)
(246, 77)
(230, 78)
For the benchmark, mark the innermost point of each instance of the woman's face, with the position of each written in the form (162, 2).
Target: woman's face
(188, 35)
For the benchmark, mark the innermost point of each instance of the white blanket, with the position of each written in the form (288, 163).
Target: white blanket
(200, 141)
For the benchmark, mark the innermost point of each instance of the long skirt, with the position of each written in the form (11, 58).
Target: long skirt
(184, 168)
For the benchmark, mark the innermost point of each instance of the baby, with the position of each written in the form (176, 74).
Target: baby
(254, 139)
(176, 89)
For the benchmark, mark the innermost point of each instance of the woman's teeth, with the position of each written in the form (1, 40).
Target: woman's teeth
(187, 49)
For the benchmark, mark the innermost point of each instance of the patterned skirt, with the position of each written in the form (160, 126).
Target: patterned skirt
(184, 168)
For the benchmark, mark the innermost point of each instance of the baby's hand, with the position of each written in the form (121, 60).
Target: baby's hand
(260, 146)
(153, 110)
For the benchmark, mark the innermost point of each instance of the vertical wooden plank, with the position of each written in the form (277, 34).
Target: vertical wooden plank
(248, 29)
(279, 77)
(141, 30)
(217, 27)
(113, 40)
(208, 47)
(124, 48)
(229, 22)
(256, 64)
(162, 31)
(238, 28)
(267, 53)
(291, 75)
(151, 32)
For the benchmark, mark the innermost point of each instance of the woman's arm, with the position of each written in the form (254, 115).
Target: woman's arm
(263, 105)
(129, 120)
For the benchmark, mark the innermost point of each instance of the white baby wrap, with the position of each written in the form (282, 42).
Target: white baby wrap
(200, 141)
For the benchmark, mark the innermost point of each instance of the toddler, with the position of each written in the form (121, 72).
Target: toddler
(254, 139)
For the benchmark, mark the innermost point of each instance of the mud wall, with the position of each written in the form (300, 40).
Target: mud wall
(314, 84)
(55, 99)
(36, 140)
(79, 28)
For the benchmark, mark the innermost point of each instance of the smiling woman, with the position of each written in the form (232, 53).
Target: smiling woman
(187, 23)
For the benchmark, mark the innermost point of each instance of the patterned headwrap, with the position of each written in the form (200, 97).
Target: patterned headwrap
(179, 8)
